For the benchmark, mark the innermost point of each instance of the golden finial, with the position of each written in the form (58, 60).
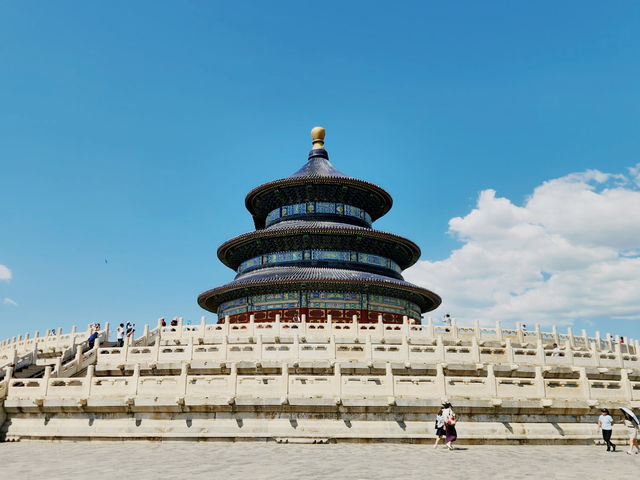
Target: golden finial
(317, 134)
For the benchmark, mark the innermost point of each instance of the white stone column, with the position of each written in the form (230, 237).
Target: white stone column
(491, 381)
(572, 342)
(440, 352)
(509, 351)
(368, 349)
(430, 328)
(89, 380)
(441, 382)
(475, 349)
(584, 381)
(539, 381)
(626, 384)
(337, 373)
(499, 335)
(285, 383)
(541, 356)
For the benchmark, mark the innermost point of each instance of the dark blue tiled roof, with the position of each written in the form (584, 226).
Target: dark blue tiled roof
(278, 274)
(318, 167)
(312, 224)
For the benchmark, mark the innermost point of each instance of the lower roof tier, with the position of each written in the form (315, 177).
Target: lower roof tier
(280, 279)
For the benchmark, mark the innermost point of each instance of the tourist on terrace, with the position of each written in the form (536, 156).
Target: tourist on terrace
(605, 423)
(440, 431)
(556, 350)
(446, 320)
(120, 335)
(92, 339)
(449, 425)
(130, 329)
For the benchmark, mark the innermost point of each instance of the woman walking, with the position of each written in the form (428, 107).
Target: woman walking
(449, 425)
(632, 430)
(605, 423)
(440, 432)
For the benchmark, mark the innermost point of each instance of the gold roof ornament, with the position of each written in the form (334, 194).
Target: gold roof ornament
(317, 134)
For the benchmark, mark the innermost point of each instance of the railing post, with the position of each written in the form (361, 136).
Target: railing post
(337, 373)
(519, 333)
(491, 381)
(586, 387)
(430, 330)
(539, 380)
(476, 330)
(180, 328)
(78, 359)
(368, 349)
(145, 335)
(454, 328)
(572, 342)
(390, 383)
(595, 355)
(441, 382)
(184, 370)
(89, 380)
(585, 338)
(252, 325)
(46, 377)
(440, 349)
(475, 349)
(538, 332)
(509, 351)
(554, 332)
(296, 346)
(258, 355)
(598, 340)
(542, 358)
(285, 382)
(135, 379)
(619, 357)
(226, 325)
(405, 350)
(499, 335)
(233, 380)
(277, 324)
(626, 384)
(203, 326)
(58, 368)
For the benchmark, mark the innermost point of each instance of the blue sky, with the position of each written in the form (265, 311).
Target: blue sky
(132, 131)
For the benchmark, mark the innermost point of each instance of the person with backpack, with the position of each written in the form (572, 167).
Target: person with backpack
(440, 432)
(451, 435)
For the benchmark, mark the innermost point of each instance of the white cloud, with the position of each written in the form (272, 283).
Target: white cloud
(5, 273)
(9, 301)
(572, 251)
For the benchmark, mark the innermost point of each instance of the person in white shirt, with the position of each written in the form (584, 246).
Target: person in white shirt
(120, 335)
(556, 350)
(605, 423)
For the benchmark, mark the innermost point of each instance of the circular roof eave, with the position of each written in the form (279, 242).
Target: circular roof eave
(385, 198)
(426, 299)
(413, 248)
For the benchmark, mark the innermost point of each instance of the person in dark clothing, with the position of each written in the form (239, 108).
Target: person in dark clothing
(92, 339)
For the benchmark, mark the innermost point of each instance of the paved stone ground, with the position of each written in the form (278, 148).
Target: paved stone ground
(252, 460)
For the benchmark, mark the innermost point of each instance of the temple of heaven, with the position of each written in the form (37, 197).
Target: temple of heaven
(314, 254)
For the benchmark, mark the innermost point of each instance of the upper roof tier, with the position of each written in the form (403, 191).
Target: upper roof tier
(317, 181)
